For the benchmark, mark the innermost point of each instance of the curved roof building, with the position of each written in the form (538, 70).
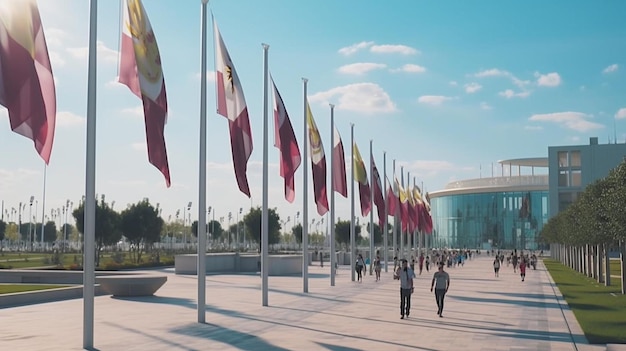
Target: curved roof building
(504, 212)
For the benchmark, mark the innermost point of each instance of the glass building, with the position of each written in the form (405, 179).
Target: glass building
(505, 212)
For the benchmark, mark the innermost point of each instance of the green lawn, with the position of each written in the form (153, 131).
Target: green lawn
(600, 310)
(13, 288)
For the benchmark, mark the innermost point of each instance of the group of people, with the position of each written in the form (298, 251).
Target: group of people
(519, 263)
(405, 274)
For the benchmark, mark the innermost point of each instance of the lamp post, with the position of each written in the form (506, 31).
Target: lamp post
(230, 216)
(185, 209)
(212, 223)
(30, 219)
(221, 223)
(238, 213)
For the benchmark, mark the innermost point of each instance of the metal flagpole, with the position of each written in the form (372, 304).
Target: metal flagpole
(385, 231)
(401, 231)
(371, 207)
(406, 188)
(352, 229)
(333, 259)
(202, 170)
(305, 198)
(264, 215)
(90, 184)
(43, 205)
(395, 215)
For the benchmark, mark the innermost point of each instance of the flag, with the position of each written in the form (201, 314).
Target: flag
(360, 175)
(26, 81)
(318, 163)
(140, 70)
(232, 105)
(379, 199)
(404, 206)
(339, 165)
(392, 200)
(285, 141)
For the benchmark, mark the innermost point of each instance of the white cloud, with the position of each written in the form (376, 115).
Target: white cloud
(621, 113)
(141, 146)
(548, 80)
(136, 111)
(360, 68)
(577, 121)
(472, 88)
(55, 37)
(611, 68)
(410, 68)
(433, 99)
(114, 83)
(69, 119)
(494, 72)
(454, 83)
(485, 106)
(104, 53)
(359, 97)
(393, 49)
(349, 50)
(56, 60)
(511, 94)
(210, 76)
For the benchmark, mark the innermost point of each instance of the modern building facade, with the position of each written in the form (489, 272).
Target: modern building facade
(509, 211)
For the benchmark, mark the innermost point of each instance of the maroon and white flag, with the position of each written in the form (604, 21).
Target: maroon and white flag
(379, 199)
(232, 105)
(339, 166)
(141, 71)
(26, 82)
(285, 141)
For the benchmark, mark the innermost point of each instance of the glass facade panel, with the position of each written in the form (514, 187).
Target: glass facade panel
(575, 158)
(484, 221)
(576, 178)
(563, 159)
(563, 178)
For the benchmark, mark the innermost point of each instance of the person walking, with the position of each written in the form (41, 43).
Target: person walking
(496, 267)
(377, 267)
(522, 269)
(441, 284)
(360, 264)
(405, 275)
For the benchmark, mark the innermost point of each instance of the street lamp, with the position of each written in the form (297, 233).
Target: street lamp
(230, 216)
(30, 219)
(240, 210)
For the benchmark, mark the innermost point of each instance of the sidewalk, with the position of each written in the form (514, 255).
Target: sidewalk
(481, 313)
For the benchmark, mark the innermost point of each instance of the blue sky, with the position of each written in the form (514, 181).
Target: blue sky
(446, 88)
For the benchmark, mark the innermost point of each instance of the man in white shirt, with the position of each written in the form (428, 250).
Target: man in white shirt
(405, 275)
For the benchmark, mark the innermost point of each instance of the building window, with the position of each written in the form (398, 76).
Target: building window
(575, 158)
(563, 161)
(563, 178)
(576, 178)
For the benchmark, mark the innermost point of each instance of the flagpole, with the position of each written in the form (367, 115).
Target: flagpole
(90, 184)
(352, 229)
(401, 231)
(372, 180)
(201, 270)
(43, 205)
(406, 188)
(385, 231)
(305, 199)
(264, 215)
(395, 215)
(333, 259)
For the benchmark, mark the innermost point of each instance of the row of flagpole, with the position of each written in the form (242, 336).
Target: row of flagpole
(230, 104)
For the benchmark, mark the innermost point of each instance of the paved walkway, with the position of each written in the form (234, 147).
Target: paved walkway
(481, 313)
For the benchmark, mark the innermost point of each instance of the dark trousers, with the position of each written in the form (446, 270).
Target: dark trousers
(405, 301)
(439, 295)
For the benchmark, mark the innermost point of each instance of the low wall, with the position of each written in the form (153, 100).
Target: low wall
(236, 263)
(42, 296)
(46, 276)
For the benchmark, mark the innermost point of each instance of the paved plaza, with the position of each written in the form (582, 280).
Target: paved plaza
(481, 313)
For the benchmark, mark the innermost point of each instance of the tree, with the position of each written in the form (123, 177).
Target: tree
(141, 225)
(107, 225)
(378, 235)
(215, 229)
(50, 232)
(297, 232)
(342, 232)
(3, 228)
(252, 221)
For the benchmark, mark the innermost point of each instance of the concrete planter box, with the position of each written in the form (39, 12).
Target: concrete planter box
(236, 263)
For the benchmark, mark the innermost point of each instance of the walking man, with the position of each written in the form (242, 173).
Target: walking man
(405, 275)
(441, 283)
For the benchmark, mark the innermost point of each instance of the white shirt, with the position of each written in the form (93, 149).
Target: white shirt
(406, 278)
